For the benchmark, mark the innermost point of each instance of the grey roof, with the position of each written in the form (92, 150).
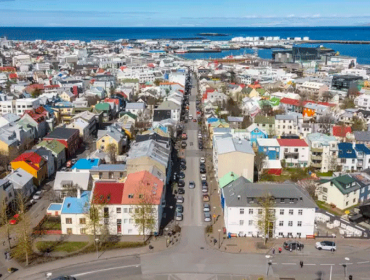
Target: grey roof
(284, 117)
(19, 178)
(114, 131)
(152, 149)
(229, 144)
(362, 136)
(221, 130)
(234, 119)
(80, 177)
(10, 117)
(135, 105)
(168, 105)
(109, 167)
(242, 193)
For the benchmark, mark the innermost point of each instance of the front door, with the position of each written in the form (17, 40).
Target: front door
(69, 231)
(119, 229)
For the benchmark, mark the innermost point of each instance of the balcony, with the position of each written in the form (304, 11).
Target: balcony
(291, 154)
(316, 165)
(316, 157)
(317, 150)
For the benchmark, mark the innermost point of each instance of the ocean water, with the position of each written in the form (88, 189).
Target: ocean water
(362, 52)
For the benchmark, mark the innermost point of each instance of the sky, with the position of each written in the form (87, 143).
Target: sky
(183, 13)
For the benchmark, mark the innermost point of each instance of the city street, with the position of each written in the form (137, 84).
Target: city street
(192, 258)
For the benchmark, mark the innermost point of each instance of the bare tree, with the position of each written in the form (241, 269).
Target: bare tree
(70, 189)
(325, 123)
(5, 221)
(310, 186)
(4, 160)
(24, 247)
(266, 217)
(333, 162)
(89, 144)
(144, 212)
(112, 152)
(326, 96)
(92, 99)
(259, 162)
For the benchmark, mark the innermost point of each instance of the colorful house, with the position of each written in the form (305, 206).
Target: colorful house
(255, 133)
(69, 137)
(270, 147)
(34, 164)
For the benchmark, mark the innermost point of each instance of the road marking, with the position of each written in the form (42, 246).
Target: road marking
(106, 269)
(327, 264)
(363, 262)
(309, 264)
(288, 263)
(274, 263)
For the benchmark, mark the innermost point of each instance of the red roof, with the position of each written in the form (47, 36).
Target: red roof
(115, 101)
(341, 131)
(210, 90)
(108, 192)
(39, 114)
(13, 76)
(100, 71)
(151, 65)
(75, 91)
(123, 67)
(205, 96)
(7, 69)
(292, 142)
(52, 86)
(31, 158)
(121, 93)
(297, 102)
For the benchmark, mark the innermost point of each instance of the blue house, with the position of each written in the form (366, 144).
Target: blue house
(270, 147)
(255, 133)
(353, 156)
(86, 164)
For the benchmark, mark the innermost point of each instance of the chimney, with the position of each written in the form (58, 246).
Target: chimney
(238, 197)
(353, 144)
(78, 193)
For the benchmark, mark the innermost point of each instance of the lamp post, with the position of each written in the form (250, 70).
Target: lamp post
(219, 238)
(345, 267)
(269, 263)
(97, 248)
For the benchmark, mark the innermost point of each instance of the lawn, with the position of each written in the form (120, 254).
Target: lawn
(114, 245)
(325, 174)
(56, 246)
(52, 224)
(327, 207)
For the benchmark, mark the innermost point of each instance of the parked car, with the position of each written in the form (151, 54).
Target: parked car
(178, 216)
(205, 198)
(207, 217)
(204, 183)
(64, 278)
(190, 117)
(15, 219)
(182, 161)
(204, 189)
(182, 166)
(200, 147)
(202, 171)
(195, 120)
(326, 245)
(180, 199)
(191, 185)
(37, 195)
(181, 191)
(179, 208)
(294, 245)
(183, 144)
(202, 165)
(181, 175)
(203, 177)
(202, 160)
(184, 136)
(206, 207)
(181, 184)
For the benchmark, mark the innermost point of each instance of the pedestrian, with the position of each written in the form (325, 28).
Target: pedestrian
(3, 243)
(214, 241)
(5, 255)
(280, 250)
(301, 263)
(273, 251)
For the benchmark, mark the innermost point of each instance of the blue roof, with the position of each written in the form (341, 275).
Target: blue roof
(346, 150)
(85, 163)
(362, 148)
(211, 120)
(74, 205)
(55, 207)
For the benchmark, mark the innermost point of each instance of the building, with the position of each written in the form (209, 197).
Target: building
(362, 137)
(233, 155)
(323, 152)
(363, 179)
(294, 210)
(7, 194)
(22, 181)
(345, 82)
(287, 124)
(57, 149)
(167, 110)
(270, 147)
(65, 179)
(113, 134)
(342, 191)
(295, 152)
(136, 108)
(352, 156)
(266, 124)
(69, 137)
(114, 172)
(32, 163)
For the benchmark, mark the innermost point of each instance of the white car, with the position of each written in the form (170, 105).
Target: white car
(200, 136)
(190, 117)
(180, 199)
(202, 160)
(203, 177)
(178, 217)
(326, 245)
(191, 185)
(207, 217)
(37, 195)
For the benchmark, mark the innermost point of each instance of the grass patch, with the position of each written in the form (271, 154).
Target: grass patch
(49, 223)
(327, 207)
(325, 174)
(291, 174)
(56, 246)
(114, 245)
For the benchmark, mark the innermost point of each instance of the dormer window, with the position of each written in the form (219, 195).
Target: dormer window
(282, 200)
(291, 200)
(130, 196)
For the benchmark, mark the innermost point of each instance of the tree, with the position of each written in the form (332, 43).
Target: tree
(36, 93)
(333, 162)
(92, 99)
(266, 217)
(4, 160)
(266, 109)
(358, 124)
(325, 122)
(70, 189)
(112, 152)
(144, 212)
(233, 108)
(347, 104)
(157, 82)
(167, 92)
(310, 186)
(326, 96)
(23, 248)
(5, 221)
(259, 162)
(246, 122)
(353, 91)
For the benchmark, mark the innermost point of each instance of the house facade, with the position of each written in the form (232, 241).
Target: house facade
(295, 152)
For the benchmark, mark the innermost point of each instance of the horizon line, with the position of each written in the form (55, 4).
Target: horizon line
(287, 26)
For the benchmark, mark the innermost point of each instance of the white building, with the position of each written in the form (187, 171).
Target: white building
(294, 210)
(287, 124)
(363, 101)
(323, 151)
(295, 152)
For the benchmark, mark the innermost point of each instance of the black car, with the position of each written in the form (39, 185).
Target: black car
(202, 165)
(204, 183)
(181, 191)
(200, 147)
(181, 183)
(182, 161)
(292, 245)
(183, 167)
(202, 170)
(182, 175)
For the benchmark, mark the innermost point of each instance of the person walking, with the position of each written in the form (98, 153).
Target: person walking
(301, 263)
(280, 250)
(273, 251)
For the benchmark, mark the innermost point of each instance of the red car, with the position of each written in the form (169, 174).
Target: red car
(194, 120)
(15, 219)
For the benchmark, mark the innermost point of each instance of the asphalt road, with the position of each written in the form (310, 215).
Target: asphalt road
(191, 258)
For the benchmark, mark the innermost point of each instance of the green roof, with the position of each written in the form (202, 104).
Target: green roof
(102, 106)
(261, 91)
(274, 101)
(52, 145)
(128, 113)
(344, 183)
(227, 179)
(130, 81)
(264, 120)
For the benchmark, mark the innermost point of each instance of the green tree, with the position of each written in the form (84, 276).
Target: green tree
(112, 152)
(266, 217)
(260, 162)
(347, 104)
(358, 124)
(4, 212)
(157, 82)
(36, 93)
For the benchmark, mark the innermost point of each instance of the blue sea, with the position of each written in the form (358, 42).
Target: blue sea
(362, 52)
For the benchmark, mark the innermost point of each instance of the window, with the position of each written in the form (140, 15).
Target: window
(119, 221)
(130, 210)
(106, 212)
(325, 190)
(291, 200)
(118, 210)
(281, 234)
(347, 203)
(324, 198)
(282, 200)
(125, 210)
(82, 230)
(251, 211)
(250, 222)
(68, 221)
(131, 195)
(290, 223)
(82, 221)
(281, 211)
(354, 200)
(241, 222)
(300, 212)
(299, 223)
(281, 223)
(241, 211)
(291, 211)
(259, 211)
(121, 174)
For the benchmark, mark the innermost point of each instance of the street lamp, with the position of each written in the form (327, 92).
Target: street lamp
(345, 267)
(97, 248)
(269, 263)
(219, 238)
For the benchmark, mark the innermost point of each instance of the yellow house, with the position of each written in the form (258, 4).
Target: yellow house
(8, 147)
(67, 96)
(32, 163)
(113, 135)
(217, 124)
